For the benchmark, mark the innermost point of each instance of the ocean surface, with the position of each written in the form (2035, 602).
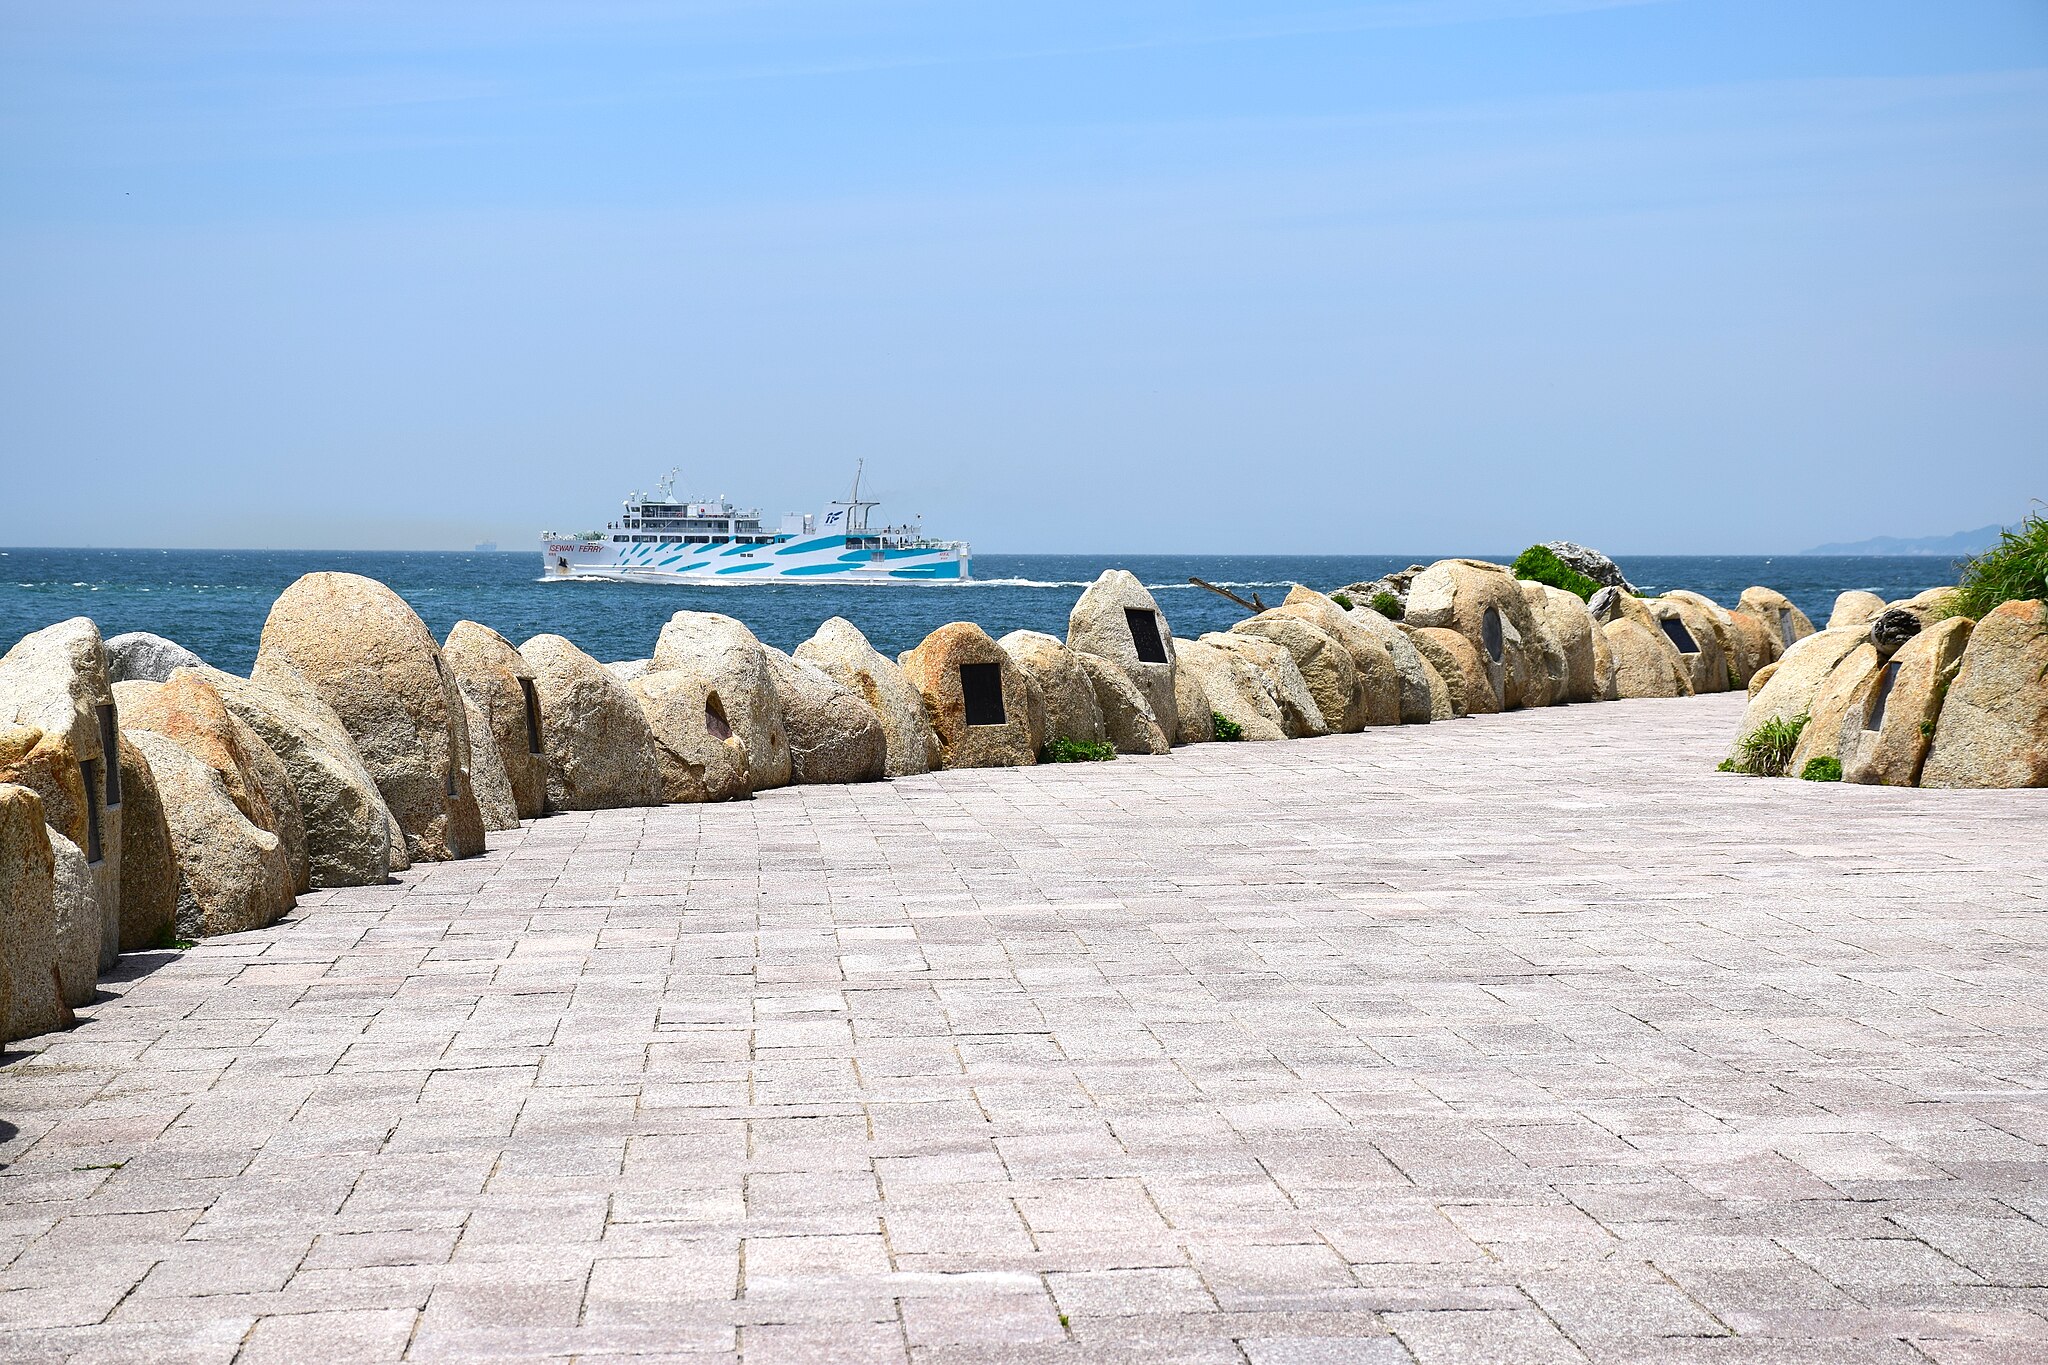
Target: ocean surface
(214, 601)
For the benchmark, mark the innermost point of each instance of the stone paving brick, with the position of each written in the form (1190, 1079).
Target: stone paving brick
(1520, 1038)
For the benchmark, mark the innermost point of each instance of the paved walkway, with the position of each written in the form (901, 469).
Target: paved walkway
(1525, 1038)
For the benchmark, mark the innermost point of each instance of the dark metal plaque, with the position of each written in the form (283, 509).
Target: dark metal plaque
(532, 700)
(981, 687)
(1677, 634)
(1145, 635)
(1490, 634)
(110, 752)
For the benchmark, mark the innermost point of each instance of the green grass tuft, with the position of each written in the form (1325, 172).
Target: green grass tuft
(1540, 565)
(2014, 570)
(1765, 751)
(1226, 728)
(1387, 605)
(1342, 599)
(1822, 769)
(1064, 750)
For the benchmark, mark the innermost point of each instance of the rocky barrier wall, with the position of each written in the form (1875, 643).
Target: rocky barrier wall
(147, 799)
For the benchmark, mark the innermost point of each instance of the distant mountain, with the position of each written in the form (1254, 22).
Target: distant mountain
(1951, 546)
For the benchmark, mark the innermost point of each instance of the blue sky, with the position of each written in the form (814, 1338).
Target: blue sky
(1117, 276)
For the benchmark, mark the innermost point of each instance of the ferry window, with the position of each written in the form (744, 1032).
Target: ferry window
(671, 540)
(645, 539)
(720, 540)
(696, 540)
(620, 540)
(981, 688)
(1145, 635)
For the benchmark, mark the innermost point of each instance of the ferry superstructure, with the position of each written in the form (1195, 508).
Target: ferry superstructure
(665, 539)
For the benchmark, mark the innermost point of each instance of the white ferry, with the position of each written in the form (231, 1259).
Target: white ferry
(665, 539)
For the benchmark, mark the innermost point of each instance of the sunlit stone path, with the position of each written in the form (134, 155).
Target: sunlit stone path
(1524, 1038)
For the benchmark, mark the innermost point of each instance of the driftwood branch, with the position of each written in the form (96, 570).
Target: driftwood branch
(1255, 605)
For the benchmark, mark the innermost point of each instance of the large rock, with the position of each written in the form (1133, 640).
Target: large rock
(1384, 667)
(190, 712)
(701, 759)
(139, 656)
(1591, 563)
(600, 752)
(1394, 585)
(1755, 646)
(1685, 622)
(232, 874)
(1418, 692)
(1232, 687)
(733, 667)
(31, 992)
(487, 779)
(371, 659)
(1890, 722)
(1441, 707)
(75, 893)
(1484, 603)
(1126, 716)
(1745, 645)
(1763, 675)
(1467, 677)
(47, 765)
(1783, 620)
(1836, 706)
(1646, 664)
(1564, 614)
(1891, 628)
(491, 673)
(1197, 720)
(55, 680)
(352, 839)
(1604, 671)
(626, 670)
(149, 868)
(1993, 728)
(1796, 680)
(1068, 693)
(978, 699)
(834, 736)
(1117, 620)
(1324, 663)
(1300, 716)
(844, 653)
(1853, 610)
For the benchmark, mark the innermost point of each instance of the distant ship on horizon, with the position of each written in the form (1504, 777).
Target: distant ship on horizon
(485, 547)
(665, 539)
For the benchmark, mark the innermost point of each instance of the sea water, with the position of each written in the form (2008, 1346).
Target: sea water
(214, 601)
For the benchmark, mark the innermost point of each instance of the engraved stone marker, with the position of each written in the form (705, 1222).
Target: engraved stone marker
(89, 769)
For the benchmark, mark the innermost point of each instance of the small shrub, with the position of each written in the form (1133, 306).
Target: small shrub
(1064, 750)
(2014, 570)
(1226, 728)
(1342, 599)
(1387, 605)
(1822, 769)
(1765, 751)
(1540, 565)
(1927, 729)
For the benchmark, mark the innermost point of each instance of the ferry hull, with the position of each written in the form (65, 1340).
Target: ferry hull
(816, 559)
